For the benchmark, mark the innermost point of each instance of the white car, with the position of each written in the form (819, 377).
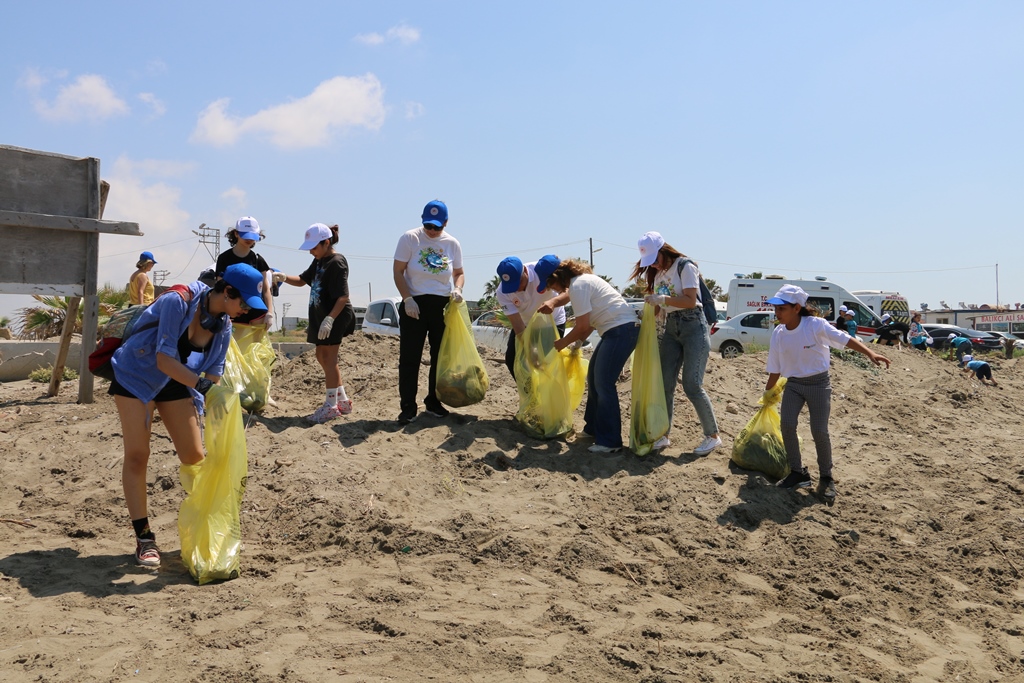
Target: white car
(381, 317)
(735, 335)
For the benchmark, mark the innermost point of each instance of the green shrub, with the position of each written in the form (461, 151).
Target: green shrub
(44, 374)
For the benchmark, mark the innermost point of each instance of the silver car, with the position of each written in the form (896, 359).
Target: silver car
(735, 335)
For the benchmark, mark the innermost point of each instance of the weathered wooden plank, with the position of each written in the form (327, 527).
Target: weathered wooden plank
(43, 257)
(42, 182)
(41, 289)
(21, 219)
(62, 350)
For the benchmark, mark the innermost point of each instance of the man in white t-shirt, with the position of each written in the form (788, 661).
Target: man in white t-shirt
(519, 300)
(428, 273)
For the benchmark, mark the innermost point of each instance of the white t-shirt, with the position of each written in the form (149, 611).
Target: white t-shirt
(526, 303)
(804, 351)
(590, 294)
(431, 261)
(669, 283)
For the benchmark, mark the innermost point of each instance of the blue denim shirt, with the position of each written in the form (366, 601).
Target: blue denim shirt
(134, 362)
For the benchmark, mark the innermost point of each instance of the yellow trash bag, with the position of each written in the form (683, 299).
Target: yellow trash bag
(545, 393)
(759, 446)
(208, 522)
(576, 374)
(649, 419)
(461, 378)
(248, 370)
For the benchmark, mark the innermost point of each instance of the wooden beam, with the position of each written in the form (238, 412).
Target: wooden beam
(70, 320)
(21, 219)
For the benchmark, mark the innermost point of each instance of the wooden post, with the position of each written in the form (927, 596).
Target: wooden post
(65, 344)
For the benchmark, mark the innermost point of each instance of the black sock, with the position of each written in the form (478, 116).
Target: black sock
(142, 529)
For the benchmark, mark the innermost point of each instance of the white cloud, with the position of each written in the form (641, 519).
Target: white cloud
(414, 110)
(235, 195)
(89, 97)
(158, 107)
(402, 33)
(338, 103)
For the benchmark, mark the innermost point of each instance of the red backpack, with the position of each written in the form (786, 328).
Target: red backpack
(119, 327)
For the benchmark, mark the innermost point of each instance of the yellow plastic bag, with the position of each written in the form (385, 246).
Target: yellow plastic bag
(649, 419)
(461, 377)
(576, 374)
(208, 522)
(248, 368)
(759, 446)
(545, 393)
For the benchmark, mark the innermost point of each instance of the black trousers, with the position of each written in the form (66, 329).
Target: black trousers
(510, 351)
(429, 327)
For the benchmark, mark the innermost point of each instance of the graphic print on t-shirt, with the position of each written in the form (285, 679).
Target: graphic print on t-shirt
(433, 260)
(665, 287)
(316, 287)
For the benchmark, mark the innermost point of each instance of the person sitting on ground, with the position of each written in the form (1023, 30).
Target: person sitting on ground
(919, 337)
(981, 369)
(891, 330)
(959, 345)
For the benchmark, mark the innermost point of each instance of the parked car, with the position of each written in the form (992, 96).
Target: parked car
(982, 341)
(1018, 343)
(381, 317)
(735, 335)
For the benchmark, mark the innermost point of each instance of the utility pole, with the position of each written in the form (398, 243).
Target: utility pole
(370, 285)
(284, 314)
(208, 236)
(593, 251)
(160, 277)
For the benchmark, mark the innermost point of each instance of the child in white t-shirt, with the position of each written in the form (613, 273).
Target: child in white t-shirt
(519, 299)
(799, 351)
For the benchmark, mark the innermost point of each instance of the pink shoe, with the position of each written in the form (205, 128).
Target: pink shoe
(324, 413)
(345, 407)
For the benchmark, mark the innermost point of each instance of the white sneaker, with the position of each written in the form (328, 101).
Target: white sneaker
(598, 448)
(661, 444)
(709, 444)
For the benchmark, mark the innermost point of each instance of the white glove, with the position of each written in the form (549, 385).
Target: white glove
(278, 278)
(412, 309)
(457, 295)
(325, 328)
(655, 299)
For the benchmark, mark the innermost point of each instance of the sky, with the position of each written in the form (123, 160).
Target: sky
(876, 143)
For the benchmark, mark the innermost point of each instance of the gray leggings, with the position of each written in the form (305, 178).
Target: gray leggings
(816, 392)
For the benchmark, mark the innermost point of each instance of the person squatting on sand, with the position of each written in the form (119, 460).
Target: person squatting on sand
(918, 336)
(981, 369)
(428, 274)
(799, 351)
(890, 332)
(599, 306)
(331, 316)
(673, 285)
(140, 287)
(959, 346)
(519, 297)
(151, 371)
(243, 238)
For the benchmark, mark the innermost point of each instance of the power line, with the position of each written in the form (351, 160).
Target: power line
(189, 262)
(123, 253)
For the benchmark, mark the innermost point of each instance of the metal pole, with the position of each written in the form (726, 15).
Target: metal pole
(997, 286)
(370, 285)
(591, 252)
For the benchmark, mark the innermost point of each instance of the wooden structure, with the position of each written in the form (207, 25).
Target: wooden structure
(50, 211)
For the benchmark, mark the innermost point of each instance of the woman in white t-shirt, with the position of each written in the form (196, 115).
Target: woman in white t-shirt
(599, 306)
(428, 273)
(673, 284)
(799, 351)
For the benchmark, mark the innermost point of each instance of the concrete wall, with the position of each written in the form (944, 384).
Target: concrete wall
(18, 358)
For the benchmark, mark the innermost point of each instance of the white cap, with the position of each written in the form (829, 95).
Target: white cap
(650, 244)
(789, 294)
(968, 358)
(952, 335)
(317, 233)
(886, 317)
(843, 309)
(248, 228)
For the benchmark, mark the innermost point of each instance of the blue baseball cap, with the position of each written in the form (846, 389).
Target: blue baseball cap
(545, 266)
(249, 282)
(435, 213)
(510, 270)
(147, 256)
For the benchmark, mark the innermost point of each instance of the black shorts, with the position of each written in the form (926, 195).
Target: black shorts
(172, 391)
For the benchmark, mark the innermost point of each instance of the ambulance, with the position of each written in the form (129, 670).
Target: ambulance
(882, 302)
(746, 294)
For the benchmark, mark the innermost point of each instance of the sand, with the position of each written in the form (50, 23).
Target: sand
(463, 550)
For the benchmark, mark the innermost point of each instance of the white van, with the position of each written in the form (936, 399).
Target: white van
(882, 302)
(746, 294)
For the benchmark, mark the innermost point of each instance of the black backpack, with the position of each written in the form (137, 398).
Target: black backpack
(706, 299)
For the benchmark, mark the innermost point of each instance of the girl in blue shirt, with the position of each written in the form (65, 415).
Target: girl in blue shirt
(156, 368)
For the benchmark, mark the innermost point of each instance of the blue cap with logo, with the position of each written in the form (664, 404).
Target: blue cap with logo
(147, 256)
(510, 270)
(249, 282)
(435, 213)
(545, 266)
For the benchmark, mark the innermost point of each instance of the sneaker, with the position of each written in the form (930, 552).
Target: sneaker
(437, 411)
(598, 448)
(146, 552)
(406, 416)
(661, 444)
(324, 413)
(345, 407)
(827, 488)
(796, 480)
(709, 444)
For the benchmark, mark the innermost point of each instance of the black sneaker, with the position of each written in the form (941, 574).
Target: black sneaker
(437, 411)
(796, 480)
(827, 488)
(406, 416)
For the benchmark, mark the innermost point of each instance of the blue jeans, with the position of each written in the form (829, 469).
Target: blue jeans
(602, 416)
(686, 346)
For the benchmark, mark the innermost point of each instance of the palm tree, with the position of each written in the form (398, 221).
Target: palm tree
(47, 320)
